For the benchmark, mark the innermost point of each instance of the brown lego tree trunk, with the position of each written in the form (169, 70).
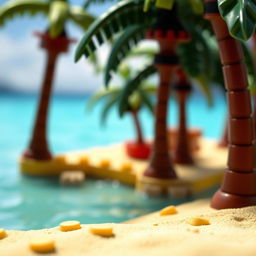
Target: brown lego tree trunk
(160, 163)
(182, 153)
(38, 148)
(168, 32)
(137, 125)
(239, 185)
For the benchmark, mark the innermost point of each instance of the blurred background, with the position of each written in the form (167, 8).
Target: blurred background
(26, 202)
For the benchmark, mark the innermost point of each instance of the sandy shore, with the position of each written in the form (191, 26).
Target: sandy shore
(231, 232)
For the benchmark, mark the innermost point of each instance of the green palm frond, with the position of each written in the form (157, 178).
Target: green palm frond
(140, 98)
(132, 85)
(125, 13)
(146, 101)
(165, 4)
(198, 60)
(147, 5)
(111, 102)
(59, 12)
(196, 56)
(197, 6)
(21, 7)
(130, 37)
(240, 16)
(88, 3)
(203, 84)
(102, 95)
(250, 68)
(144, 51)
(81, 17)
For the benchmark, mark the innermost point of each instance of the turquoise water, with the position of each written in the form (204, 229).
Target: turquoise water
(33, 203)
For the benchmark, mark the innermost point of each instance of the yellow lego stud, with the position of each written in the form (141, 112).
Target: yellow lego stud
(84, 160)
(70, 225)
(105, 163)
(169, 210)
(102, 230)
(198, 221)
(60, 159)
(126, 167)
(2, 233)
(42, 245)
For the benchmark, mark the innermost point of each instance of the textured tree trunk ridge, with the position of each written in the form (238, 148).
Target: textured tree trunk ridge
(182, 153)
(239, 185)
(160, 163)
(38, 148)
(169, 32)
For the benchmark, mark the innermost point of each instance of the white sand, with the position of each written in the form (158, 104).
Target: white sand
(231, 232)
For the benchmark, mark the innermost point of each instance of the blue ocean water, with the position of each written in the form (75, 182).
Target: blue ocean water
(33, 203)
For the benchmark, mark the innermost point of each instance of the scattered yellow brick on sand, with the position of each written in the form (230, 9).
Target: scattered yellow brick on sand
(102, 230)
(85, 160)
(196, 221)
(2, 233)
(105, 163)
(126, 167)
(42, 245)
(70, 225)
(169, 210)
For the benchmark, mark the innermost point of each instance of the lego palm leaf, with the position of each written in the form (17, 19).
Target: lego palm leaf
(111, 102)
(240, 16)
(59, 12)
(165, 4)
(146, 100)
(131, 36)
(80, 17)
(250, 68)
(125, 13)
(132, 85)
(22, 7)
(101, 95)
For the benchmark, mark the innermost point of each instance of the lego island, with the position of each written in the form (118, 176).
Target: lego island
(203, 43)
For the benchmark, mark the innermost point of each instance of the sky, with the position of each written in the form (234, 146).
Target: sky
(22, 61)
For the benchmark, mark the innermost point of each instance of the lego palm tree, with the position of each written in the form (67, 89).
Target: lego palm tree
(121, 49)
(237, 23)
(238, 188)
(142, 98)
(111, 24)
(54, 41)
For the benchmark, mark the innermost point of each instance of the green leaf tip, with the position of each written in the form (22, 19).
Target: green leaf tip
(240, 16)
(165, 4)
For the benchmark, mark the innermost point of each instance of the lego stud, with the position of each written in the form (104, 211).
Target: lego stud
(60, 159)
(84, 160)
(198, 221)
(2, 233)
(69, 225)
(126, 167)
(42, 245)
(105, 163)
(169, 210)
(104, 230)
